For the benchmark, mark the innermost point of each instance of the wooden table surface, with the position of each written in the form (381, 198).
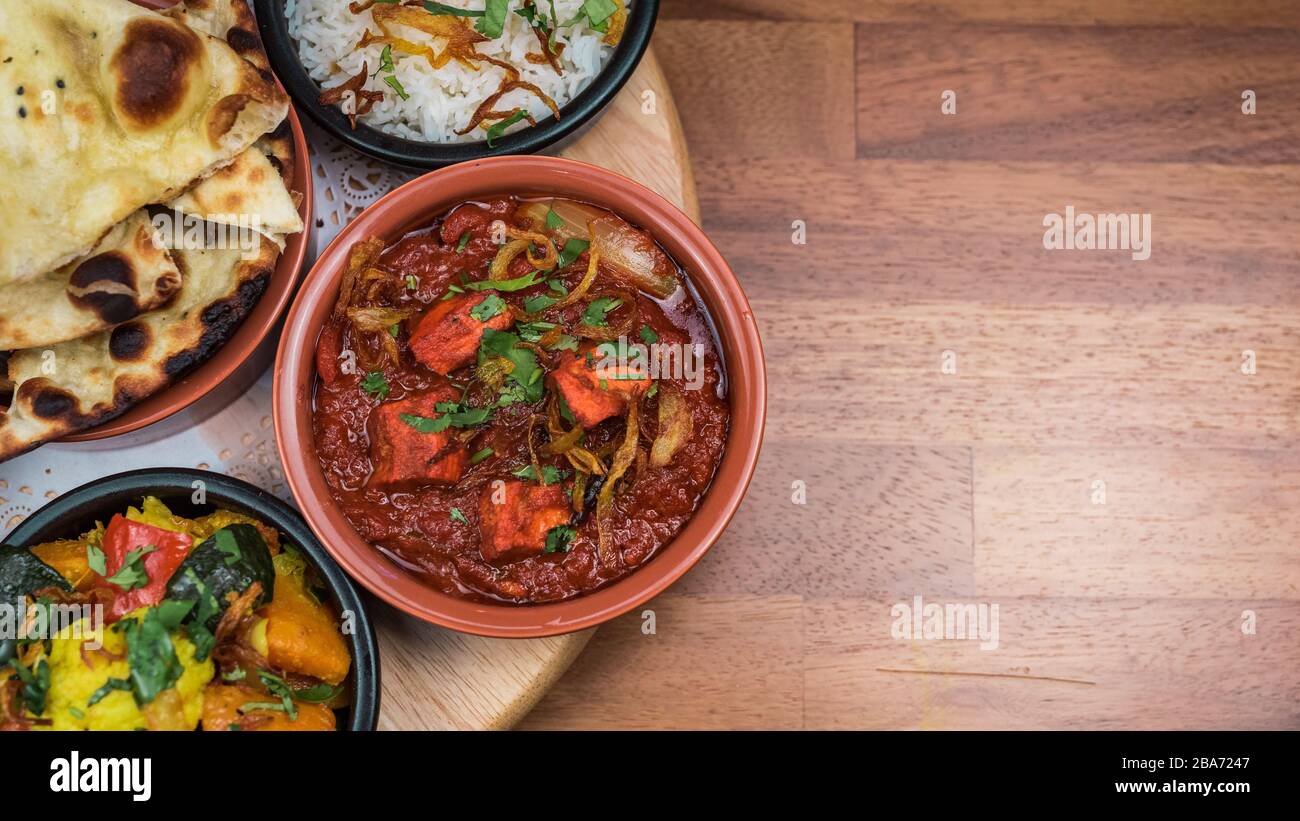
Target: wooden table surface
(1167, 600)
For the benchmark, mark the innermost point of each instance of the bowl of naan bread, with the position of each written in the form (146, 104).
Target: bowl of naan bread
(159, 203)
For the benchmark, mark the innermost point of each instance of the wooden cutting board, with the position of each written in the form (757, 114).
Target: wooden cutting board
(436, 679)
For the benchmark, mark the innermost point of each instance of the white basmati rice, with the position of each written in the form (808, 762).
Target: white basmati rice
(441, 101)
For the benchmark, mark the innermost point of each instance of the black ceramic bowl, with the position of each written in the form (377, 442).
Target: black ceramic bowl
(581, 109)
(76, 511)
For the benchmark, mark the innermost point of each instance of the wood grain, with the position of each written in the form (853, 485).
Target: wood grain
(1143, 663)
(640, 135)
(794, 80)
(715, 662)
(1107, 13)
(924, 235)
(1048, 93)
(1141, 522)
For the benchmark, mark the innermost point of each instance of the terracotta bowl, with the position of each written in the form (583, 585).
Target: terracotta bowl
(196, 384)
(415, 205)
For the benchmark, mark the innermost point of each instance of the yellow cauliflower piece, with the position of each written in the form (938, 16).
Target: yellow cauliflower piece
(73, 682)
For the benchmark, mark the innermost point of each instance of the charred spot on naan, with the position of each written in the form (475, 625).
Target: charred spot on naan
(48, 401)
(223, 115)
(232, 21)
(129, 342)
(106, 285)
(277, 145)
(159, 72)
(6, 384)
(249, 46)
(222, 318)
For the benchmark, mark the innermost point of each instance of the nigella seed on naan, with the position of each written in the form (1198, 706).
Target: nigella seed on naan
(137, 83)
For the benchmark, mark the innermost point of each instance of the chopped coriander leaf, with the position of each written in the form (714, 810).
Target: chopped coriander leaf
(151, 656)
(528, 280)
(559, 539)
(376, 384)
(550, 474)
(565, 343)
(558, 287)
(648, 335)
(461, 243)
(553, 220)
(450, 418)
(597, 13)
(571, 251)
(272, 706)
(654, 389)
(396, 85)
(317, 693)
(512, 395)
(491, 306)
(96, 560)
(598, 311)
(412, 282)
(534, 331)
(537, 19)
(541, 302)
(132, 573)
(36, 684)
(498, 128)
(493, 21)
(443, 8)
(524, 362)
(457, 516)
(278, 687)
(274, 683)
(480, 456)
(109, 686)
(385, 61)
(565, 413)
(394, 329)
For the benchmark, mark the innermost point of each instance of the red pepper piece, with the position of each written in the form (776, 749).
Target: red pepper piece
(124, 535)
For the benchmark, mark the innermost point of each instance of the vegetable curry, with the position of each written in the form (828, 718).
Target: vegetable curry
(213, 622)
(521, 402)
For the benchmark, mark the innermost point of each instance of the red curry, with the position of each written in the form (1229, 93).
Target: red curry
(522, 402)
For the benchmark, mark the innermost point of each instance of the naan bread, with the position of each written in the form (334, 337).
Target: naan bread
(123, 107)
(127, 274)
(85, 382)
(248, 192)
(55, 390)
